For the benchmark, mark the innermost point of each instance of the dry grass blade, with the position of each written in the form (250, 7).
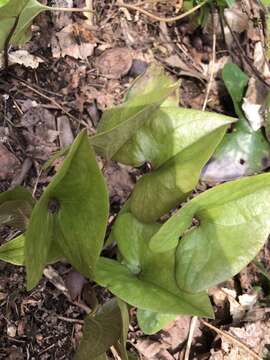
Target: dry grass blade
(193, 324)
(159, 18)
(212, 69)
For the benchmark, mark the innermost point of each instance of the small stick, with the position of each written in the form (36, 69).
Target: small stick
(190, 336)
(158, 18)
(212, 66)
(63, 318)
(231, 338)
(51, 8)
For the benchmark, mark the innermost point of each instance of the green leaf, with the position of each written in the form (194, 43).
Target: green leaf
(146, 279)
(151, 322)
(100, 331)
(233, 224)
(119, 124)
(13, 251)
(24, 11)
(16, 207)
(243, 151)
(163, 189)
(71, 214)
(3, 2)
(23, 29)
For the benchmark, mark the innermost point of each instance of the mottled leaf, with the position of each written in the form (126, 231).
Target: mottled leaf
(232, 224)
(146, 279)
(73, 211)
(100, 331)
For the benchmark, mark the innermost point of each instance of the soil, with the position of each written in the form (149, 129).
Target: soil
(86, 65)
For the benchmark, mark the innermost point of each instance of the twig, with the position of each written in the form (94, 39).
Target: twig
(231, 338)
(51, 8)
(212, 69)
(53, 101)
(159, 18)
(192, 326)
(70, 320)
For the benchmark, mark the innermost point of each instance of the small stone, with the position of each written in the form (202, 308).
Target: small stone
(11, 330)
(115, 63)
(138, 67)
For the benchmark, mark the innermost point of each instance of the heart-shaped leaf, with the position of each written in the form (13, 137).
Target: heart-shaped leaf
(146, 279)
(233, 222)
(176, 142)
(164, 188)
(100, 331)
(243, 151)
(71, 214)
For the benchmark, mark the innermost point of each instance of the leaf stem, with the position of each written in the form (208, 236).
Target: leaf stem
(158, 18)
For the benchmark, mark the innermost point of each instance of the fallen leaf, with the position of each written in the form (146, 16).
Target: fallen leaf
(73, 40)
(22, 57)
(255, 335)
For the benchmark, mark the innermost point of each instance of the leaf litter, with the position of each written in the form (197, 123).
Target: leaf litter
(72, 79)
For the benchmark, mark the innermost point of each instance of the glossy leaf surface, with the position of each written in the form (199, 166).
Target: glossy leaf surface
(243, 151)
(100, 331)
(119, 124)
(73, 210)
(146, 279)
(233, 224)
(176, 142)
(163, 189)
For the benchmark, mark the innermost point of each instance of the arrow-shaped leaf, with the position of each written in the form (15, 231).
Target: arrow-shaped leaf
(233, 222)
(146, 279)
(71, 214)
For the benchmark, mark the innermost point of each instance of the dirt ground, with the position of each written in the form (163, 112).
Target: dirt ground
(81, 66)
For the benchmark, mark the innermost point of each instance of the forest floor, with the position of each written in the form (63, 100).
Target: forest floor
(74, 68)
